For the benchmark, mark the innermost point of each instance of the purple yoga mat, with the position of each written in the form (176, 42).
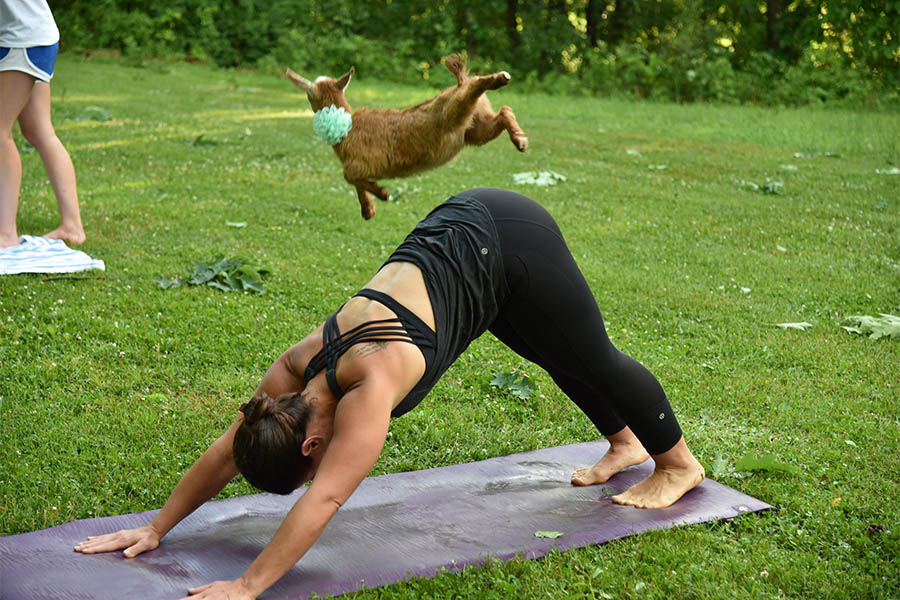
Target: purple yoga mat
(394, 527)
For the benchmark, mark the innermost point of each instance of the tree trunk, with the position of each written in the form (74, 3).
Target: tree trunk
(617, 21)
(512, 23)
(773, 10)
(591, 18)
(559, 8)
(464, 22)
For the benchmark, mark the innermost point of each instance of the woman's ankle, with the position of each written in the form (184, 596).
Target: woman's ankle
(678, 456)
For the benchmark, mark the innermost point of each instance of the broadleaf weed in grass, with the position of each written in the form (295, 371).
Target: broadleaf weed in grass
(548, 534)
(92, 113)
(875, 327)
(764, 462)
(720, 467)
(518, 385)
(769, 187)
(229, 275)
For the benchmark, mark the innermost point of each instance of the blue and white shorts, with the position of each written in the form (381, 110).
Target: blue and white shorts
(37, 61)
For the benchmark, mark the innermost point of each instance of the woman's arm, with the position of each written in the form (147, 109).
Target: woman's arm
(360, 428)
(206, 478)
(285, 375)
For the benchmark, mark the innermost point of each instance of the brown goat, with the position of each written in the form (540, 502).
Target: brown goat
(387, 143)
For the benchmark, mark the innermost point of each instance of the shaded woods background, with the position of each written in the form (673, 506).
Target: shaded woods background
(741, 51)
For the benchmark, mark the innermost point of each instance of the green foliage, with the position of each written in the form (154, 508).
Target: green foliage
(764, 462)
(92, 113)
(876, 327)
(750, 463)
(720, 468)
(802, 326)
(229, 275)
(519, 386)
(230, 33)
(681, 50)
(548, 534)
(769, 187)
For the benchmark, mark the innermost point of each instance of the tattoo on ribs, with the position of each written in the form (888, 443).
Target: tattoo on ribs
(371, 348)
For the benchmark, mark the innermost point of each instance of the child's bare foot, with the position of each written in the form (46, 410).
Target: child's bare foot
(74, 236)
(7, 241)
(616, 458)
(663, 487)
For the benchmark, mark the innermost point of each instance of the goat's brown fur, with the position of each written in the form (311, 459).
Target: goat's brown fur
(386, 143)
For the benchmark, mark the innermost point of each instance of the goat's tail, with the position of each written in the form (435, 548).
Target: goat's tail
(456, 64)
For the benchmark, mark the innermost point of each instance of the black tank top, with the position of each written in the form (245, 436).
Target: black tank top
(458, 251)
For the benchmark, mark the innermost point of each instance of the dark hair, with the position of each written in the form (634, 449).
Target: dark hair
(267, 445)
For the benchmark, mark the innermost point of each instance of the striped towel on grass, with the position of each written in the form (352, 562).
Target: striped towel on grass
(43, 255)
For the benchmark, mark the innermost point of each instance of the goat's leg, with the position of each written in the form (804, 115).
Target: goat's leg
(516, 135)
(374, 188)
(366, 204)
(466, 96)
(486, 126)
(495, 80)
(363, 189)
(456, 65)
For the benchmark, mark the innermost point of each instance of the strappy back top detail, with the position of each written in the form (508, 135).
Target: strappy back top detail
(457, 248)
(406, 327)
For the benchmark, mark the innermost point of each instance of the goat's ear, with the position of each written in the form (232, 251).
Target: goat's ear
(345, 78)
(299, 81)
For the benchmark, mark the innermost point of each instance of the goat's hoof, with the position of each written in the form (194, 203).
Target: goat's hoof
(368, 212)
(521, 143)
(498, 80)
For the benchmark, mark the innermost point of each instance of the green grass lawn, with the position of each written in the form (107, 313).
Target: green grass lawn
(110, 387)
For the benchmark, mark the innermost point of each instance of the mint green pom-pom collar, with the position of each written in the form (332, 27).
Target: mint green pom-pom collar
(332, 124)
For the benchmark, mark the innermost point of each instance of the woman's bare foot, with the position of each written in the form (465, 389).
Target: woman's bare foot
(663, 488)
(624, 451)
(676, 473)
(612, 462)
(74, 236)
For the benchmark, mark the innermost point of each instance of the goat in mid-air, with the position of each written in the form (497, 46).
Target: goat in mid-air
(386, 143)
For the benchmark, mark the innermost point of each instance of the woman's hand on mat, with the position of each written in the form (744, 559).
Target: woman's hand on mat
(134, 541)
(224, 590)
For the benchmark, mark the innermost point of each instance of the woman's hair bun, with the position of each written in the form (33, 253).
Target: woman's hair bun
(258, 408)
(267, 443)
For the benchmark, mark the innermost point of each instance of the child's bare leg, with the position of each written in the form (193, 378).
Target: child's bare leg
(15, 88)
(676, 472)
(38, 130)
(624, 451)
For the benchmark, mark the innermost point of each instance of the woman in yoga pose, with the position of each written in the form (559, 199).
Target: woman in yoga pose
(486, 259)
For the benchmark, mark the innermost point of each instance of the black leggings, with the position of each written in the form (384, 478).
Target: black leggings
(552, 319)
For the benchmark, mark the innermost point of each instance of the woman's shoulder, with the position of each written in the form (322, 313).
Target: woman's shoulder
(299, 355)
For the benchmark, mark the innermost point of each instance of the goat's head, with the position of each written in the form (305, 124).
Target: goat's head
(324, 91)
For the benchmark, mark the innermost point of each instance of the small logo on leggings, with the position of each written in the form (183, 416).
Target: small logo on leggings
(662, 416)
(484, 250)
